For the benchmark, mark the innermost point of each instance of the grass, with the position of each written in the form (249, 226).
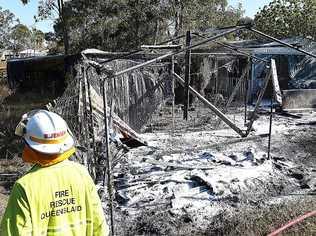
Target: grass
(16, 167)
(12, 107)
(244, 220)
(264, 220)
(4, 90)
(4, 196)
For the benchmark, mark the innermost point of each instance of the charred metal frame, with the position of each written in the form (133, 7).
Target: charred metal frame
(243, 77)
(85, 115)
(186, 49)
(177, 51)
(108, 171)
(173, 94)
(187, 75)
(280, 42)
(212, 107)
(232, 48)
(260, 97)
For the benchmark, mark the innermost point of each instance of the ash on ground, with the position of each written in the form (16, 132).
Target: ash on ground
(214, 182)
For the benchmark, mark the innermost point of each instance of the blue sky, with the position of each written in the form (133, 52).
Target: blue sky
(26, 12)
(251, 6)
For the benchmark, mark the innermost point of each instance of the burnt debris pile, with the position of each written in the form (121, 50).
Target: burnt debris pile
(131, 100)
(180, 174)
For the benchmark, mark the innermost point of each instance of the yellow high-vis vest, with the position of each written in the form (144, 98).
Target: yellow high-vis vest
(56, 200)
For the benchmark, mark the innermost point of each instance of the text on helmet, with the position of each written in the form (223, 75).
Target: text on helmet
(55, 135)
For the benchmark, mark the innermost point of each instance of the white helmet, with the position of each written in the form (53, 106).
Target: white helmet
(45, 132)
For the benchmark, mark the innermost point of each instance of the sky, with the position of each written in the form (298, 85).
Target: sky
(251, 6)
(26, 12)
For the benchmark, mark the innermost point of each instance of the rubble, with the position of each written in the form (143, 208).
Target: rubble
(189, 173)
(184, 175)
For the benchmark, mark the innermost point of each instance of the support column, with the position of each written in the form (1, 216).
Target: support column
(173, 93)
(86, 160)
(187, 76)
(108, 168)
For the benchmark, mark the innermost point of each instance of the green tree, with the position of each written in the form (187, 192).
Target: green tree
(53, 44)
(53, 9)
(114, 25)
(122, 25)
(287, 18)
(202, 14)
(38, 38)
(50, 36)
(7, 20)
(21, 37)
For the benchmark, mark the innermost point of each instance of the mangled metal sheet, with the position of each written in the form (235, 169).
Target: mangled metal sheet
(118, 125)
(135, 95)
(275, 83)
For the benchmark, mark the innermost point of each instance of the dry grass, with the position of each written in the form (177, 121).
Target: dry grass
(15, 165)
(264, 220)
(4, 90)
(12, 107)
(11, 111)
(10, 171)
(244, 221)
(3, 200)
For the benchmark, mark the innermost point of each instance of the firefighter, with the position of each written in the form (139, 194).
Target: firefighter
(56, 196)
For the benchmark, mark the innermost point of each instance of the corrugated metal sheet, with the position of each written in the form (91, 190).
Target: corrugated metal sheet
(274, 48)
(276, 51)
(299, 41)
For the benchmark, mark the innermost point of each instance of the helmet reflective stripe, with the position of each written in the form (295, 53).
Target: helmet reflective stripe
(49, 141)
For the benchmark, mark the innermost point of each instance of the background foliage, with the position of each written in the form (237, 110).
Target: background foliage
(288, 18)
(16, 36)
(124, 25)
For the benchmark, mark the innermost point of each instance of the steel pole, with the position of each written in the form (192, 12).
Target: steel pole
(177, 52)
(270, 128)
(212, 107)
(140, 50)
(281, 42)
(108, 157)
(234, 49)
(86, 159)
(173, 93)
(187, 71)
